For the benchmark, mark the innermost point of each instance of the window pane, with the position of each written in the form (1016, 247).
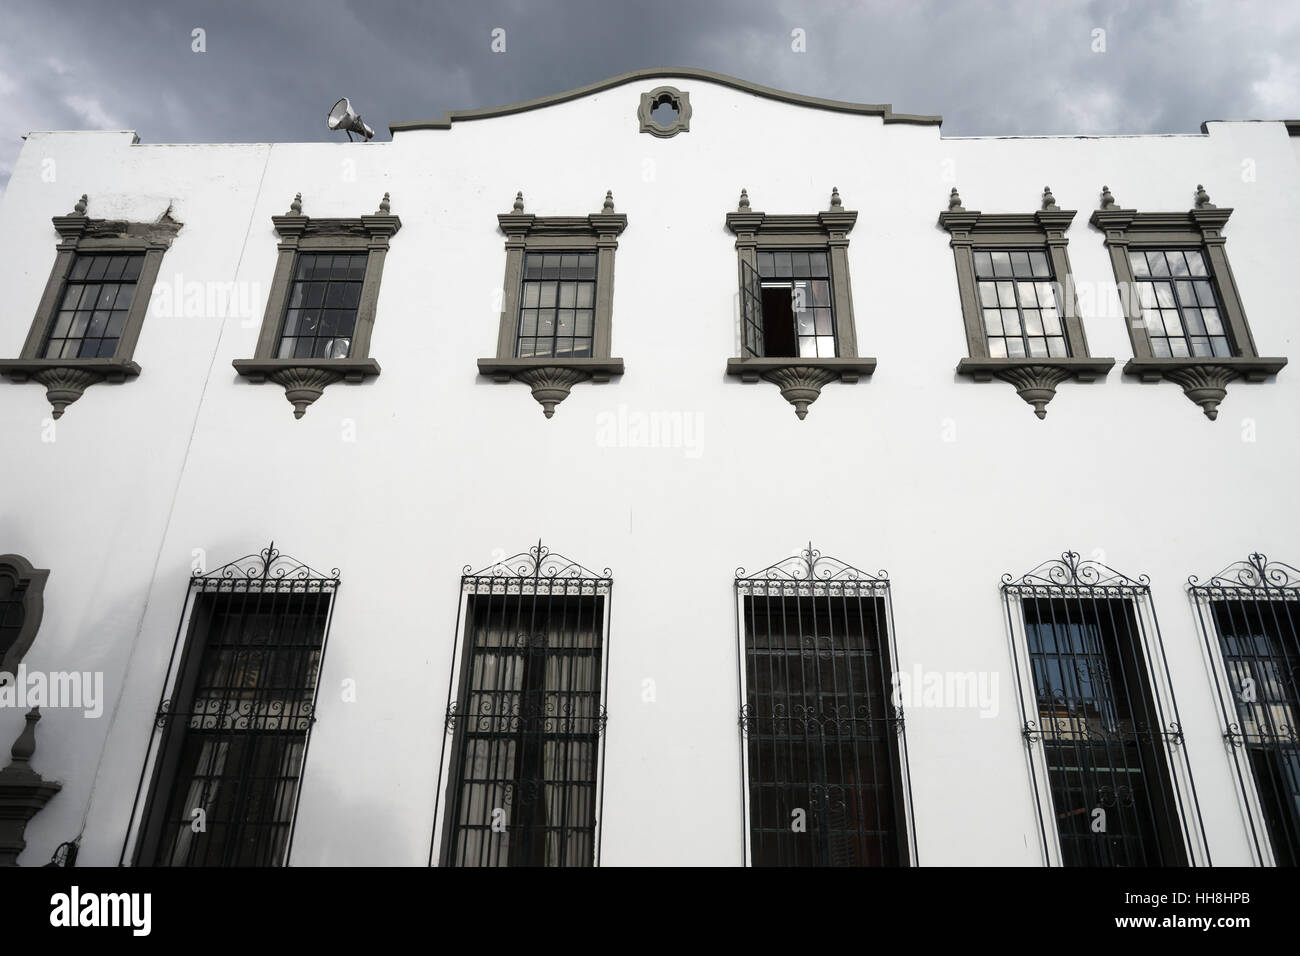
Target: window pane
(1159, 266)
(1020, 265)
(1196, 263)
(1138, 263)
(1001, 264)
(988, 294)
(1038, 264)
(983, 265)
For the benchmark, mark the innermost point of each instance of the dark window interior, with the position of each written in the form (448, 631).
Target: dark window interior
(1102, 735)
(96, 300)
(523, 788)
(822, 734)
(234, 741)
(323, 303)
(1260, 641)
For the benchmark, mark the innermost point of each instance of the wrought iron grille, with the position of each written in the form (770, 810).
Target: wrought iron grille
(1106, 748)
(822, 740)
(231, 732)
(1250, 614)
(526, 727)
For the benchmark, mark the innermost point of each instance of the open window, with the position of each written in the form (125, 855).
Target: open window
(796, 303)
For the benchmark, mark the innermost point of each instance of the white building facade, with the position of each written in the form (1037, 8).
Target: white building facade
(561, 322)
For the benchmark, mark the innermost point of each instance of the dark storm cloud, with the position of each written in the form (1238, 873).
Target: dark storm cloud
(272, 69)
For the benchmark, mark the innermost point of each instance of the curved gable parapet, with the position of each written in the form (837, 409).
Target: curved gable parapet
(883, 110)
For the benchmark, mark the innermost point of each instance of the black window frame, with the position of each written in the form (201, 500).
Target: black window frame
(1260, 598)
(245, 715)
(835, 827)
(530, 585)
(1128, 653)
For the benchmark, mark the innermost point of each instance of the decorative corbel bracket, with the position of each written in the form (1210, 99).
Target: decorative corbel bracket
(801, 379)
(550, 382)
(23, 793)
(1035, 379)
(1204, 380)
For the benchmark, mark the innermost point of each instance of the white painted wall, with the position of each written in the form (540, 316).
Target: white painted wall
(448, 468)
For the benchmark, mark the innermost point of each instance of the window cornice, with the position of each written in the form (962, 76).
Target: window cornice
(800, 379)
(66, 379)
(552, 378)
(1034, 378)
(305, 380)
(1204, 379)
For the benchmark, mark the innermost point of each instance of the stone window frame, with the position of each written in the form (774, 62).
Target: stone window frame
(23, 573)
(801, 378)
(680, 101)
(305, 379)
(1036, 377)
(1204, 379)
(66, 379)
(552, 378)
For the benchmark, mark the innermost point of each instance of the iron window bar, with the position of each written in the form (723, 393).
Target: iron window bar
(1105, 749)
(234, 718)
(1249, 618)
(524, 733)
(824, 769)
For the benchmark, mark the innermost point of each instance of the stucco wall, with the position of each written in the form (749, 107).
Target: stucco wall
(943, 482)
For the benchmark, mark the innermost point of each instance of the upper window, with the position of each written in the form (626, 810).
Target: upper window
(321, 317)
(557, 302)
(238, 704)
(1179, 305)
(798, 314)
(1249, 615)
(525, 731)
(1022, 315)
(823, 748)
(96, 301)
(323, 301)
(1111, 776)
(93, 308)
(1186, 319)
(557, 307)
(1017, 299)
(796, 303)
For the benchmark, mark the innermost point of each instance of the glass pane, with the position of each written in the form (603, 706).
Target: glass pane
(1212, 323)
(1001, 263)
(1205, 293)
(1159, 267)
(993, 321)
(1177, 264)
(824, 326)
(568, 295)
(97, 266)
(1038, 263)
(825, 346)
(1185, 294)
(1056, 347)
(1033, 322)
(799, 264)
(1011, 321)
(1173, 325)
(1020, 265)
(1164, 295)
(997, 348)
(803, 323)
(548, 295)
(1006, 294)
(1051, 322)
(1038, 347)
(988, 294)
(983, 265)
(765, 265)
(1195, 324)
(1146, 295)
(1152, 319)
(782, 263)
(287, 345)
(586, 295)
(532, 292)
(546, 322)
(1138, 263)
(1201, 346)
(1221, 347)
(1196, 263)
(528, 322)
(1178, 347)
(565, 322)
(587, 266)
(79, 267)
(808, 345)
(1028, 295)
(817, 264)
(1016, 348)
(1160, 347)
(583, 322)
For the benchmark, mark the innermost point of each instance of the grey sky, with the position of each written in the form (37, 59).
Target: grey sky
(273, 68)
